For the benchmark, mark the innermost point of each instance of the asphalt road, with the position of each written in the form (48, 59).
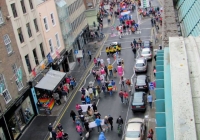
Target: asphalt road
(111, 105)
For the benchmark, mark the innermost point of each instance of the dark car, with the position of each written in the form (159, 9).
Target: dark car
(139, 102)
(147, 44)
(142, 83)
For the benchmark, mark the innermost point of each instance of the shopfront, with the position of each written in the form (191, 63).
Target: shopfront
(20, 114)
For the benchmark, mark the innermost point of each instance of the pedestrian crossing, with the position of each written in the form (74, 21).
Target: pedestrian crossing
(125, 33)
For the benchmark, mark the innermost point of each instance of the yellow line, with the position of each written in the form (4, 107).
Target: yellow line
(80, 84)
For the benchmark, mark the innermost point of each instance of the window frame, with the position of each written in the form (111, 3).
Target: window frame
(23, 6)
(53, 21)
(35, 56)
(14, 11)
(21, 41)
(31, 4)
(36, 25)
(15, 70)
(29, 30)
(7, 96)
(1, 18)
(46, 24)
(50, 46)
(29, 69)
(42, 50)
(57, 40)
(8, 43)
(2, 80)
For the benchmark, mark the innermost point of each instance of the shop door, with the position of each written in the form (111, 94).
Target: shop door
(20, 119)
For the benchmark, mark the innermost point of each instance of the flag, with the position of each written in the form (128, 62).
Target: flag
(19, 74)
(49, 58)
(33, 72)
(57, 54)
(42, 65)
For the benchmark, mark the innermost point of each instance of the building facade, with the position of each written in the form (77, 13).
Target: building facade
(28, 34)
(189, 17)
(51, 31)
(13, 85)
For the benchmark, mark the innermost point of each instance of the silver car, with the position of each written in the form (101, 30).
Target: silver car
(141, 65)
(146, 53)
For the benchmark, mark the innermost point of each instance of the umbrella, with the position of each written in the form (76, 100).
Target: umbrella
(125, 13)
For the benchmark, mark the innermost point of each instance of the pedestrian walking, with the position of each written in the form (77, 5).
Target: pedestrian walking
(135, 43)
(54, 135)
(50, 127)
(152, 23)
(140, 42)
(154, 70)
(121, 95)
(64, 94)
(160, 47)
(102, 62)
(122, 82)
(128, 83)
(73, 115)
(106, 122)
(108, 60)
(102, 136)
(91, 94)
(95, 62)
(119, 121)
(150, 100)
(79, 61)
(151, 132)
(110, 120)
(79, 109)
(82, 118)
(115, 72)
(79, 130)
(60, 127)
(110, 68)
(110, 88)
(98, 123)
(94, 106)
(59, 135)
(106, 72)
(90, 111)
(97, 114)
(125, 97)
(90, 55)
(86, 125)
(87, 99)
(98, 61)
(155, 57)
(57, 98)
(72, 84)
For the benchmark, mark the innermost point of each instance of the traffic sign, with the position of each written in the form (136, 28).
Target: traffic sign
(75, 51)
(151, 86)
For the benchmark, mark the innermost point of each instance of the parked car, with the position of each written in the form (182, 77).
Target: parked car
(141, 65)
(146, 53)
(135, 129)
(115, 43)
(147, 44)
(139, 101)
(142, 83)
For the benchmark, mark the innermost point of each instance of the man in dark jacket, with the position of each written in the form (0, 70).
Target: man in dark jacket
(50, 127)
(110, 120)
(119, 120)
(53, 134)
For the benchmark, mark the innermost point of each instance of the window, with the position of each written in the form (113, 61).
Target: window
(21, 38)
(42, 50)
(4, 90)
(28, 63)
(7, 42)
(18, 82)
(1, 18)
(31, 4)
(57, 40)
(35, 57)
(14, 10)
(28, 30)
(36, 26)
(52, 19)
(23, 6)
(51, 46)
(46, 24)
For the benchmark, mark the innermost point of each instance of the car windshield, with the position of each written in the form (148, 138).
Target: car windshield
(145, 52)
(139, 65)
(146, 44)
(140, 81)
(133, 134)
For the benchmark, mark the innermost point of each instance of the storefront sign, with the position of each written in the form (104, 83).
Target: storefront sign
(19, 102)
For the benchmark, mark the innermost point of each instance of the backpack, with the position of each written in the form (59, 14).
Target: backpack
(78, 128)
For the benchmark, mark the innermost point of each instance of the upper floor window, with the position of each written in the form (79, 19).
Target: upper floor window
(35, 57)
(42, 50)
(14, 11)
(57, 40)
(3, 89)
(52, 19)
(21, 38)
(7, 42)
(36, 25)
(1, 18)
(46, 24)
(29, 30)
(23, 6)
(31, 4)
(18, 82)
(28, 63)
(51, 46)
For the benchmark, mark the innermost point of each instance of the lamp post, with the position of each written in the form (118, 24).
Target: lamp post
(1, 111)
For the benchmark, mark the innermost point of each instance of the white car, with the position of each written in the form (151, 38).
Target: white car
(135, 129)
(146, 53)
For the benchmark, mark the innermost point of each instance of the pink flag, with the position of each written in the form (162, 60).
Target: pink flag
(57, 54)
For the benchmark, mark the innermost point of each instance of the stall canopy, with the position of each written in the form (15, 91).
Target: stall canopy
(51, 80)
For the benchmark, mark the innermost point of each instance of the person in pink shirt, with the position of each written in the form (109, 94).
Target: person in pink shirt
(95, 61)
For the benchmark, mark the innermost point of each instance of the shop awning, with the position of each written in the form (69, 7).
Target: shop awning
(51, 80)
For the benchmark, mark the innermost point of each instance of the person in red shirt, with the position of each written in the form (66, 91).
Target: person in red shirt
(59, 135)
(125, 97)
(121, 94)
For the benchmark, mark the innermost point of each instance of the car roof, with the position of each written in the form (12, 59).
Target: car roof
(138, 98)
(133, 126)
(140, 60)
(141, 76)
(138, 94)
(145, 49)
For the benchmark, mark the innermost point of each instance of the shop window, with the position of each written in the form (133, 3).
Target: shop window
(7, 43)
(1, 18)
(21, 117)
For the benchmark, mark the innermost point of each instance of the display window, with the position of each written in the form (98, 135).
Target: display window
(21, 117)
(2, 136)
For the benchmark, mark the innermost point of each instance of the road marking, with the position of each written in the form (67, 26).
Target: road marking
(59, 119)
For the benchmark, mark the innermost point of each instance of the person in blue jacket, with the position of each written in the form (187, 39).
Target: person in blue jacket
(98, 123)
(102, 136)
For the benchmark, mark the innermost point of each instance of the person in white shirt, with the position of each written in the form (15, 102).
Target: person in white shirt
(108, 60)
(102, 62)
(98, 61)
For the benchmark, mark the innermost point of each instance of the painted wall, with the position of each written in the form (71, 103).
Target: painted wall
(44, 10)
